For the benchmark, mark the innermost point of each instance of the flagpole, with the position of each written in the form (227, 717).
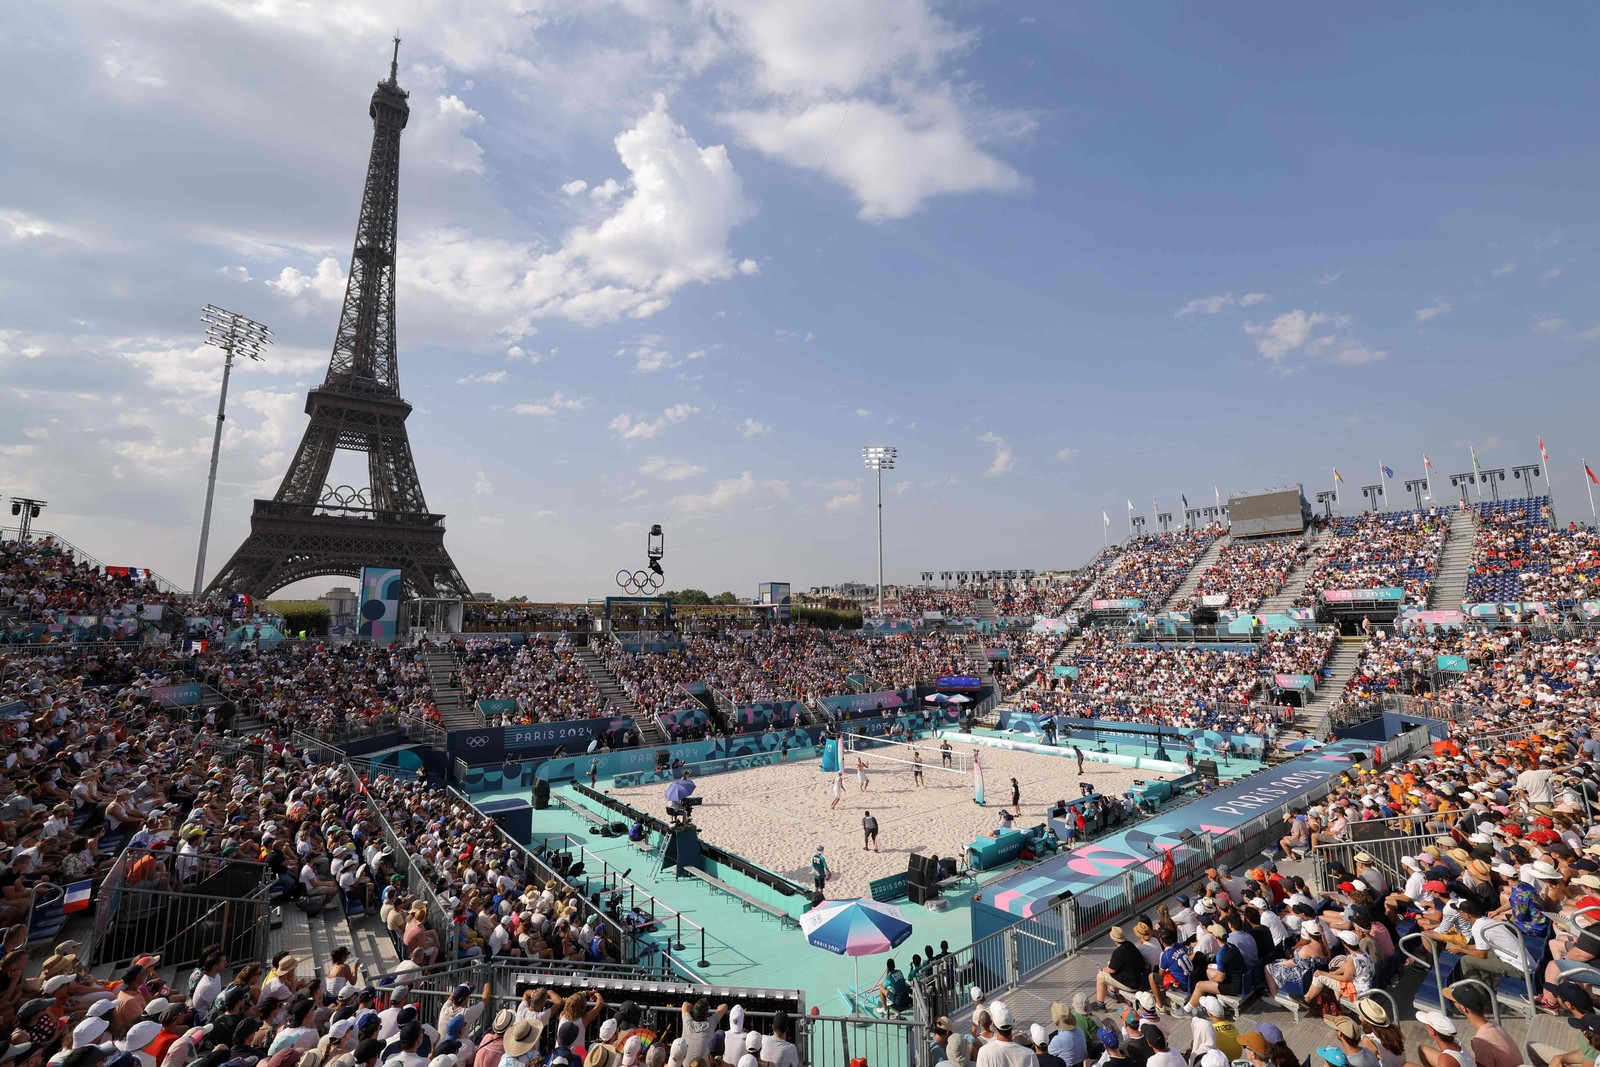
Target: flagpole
(1383, 488)
(1550, 496)
(1427, 473)
(1587, 484)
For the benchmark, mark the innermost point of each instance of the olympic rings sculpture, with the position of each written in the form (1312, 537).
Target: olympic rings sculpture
(639, 581)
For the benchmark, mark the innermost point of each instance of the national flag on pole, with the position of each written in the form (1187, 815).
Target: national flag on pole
(1105, 518)
(1185, 498)
(1590, 473)
(1337, 476)
(1427, 463)
(1130, 505)
(1388, 472)
(1475, 461)
(1542, 453)
(76, 897)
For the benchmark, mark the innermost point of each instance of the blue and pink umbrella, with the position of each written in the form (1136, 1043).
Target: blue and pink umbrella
(855, 927)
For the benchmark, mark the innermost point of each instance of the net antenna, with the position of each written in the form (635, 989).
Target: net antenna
(888, 750)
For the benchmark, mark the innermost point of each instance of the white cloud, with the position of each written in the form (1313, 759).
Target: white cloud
(551, 405)
(328, 282)
(893, 157)
(1211, 305)
(647, 358)
(1591, 334)
(606, 191)
(575, 187)
(868, 91)
(1550, 240)
(1330, 278)
(481, 484)
(1552, 274)
(489, 378)
(1004, 458)
(845, 500)
(516, 353)
(235, 274)
(1311, 335)
(670, 470)
(902, 488)
(754, 428)
(629, 428)
(669, 231)
(863, 413)
(1066, 454)
(1550, 325)
(444, 138)
(1437, 308)
(546, 513)
(749, 266)
(1508, 267)
(728, 492)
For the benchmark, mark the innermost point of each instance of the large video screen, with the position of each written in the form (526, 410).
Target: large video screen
(1279, 511)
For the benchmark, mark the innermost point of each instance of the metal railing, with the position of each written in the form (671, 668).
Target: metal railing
(1007, 958)
(416, 728)
(176, 914)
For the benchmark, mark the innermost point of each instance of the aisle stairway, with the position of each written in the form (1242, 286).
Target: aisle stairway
(616, 697)
(1092, 590)
(985, 609)
(1321, 545)
(1179, 599)
(448, 698)
(1455, 562)
(1313, 718)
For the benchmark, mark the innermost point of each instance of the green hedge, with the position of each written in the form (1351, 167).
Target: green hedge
(312, 616)
(828, 618)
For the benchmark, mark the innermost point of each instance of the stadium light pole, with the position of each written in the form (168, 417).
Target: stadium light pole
(1415, 486)
(1527, 472)
(235, 335)
(880, 458)
(1494, 476)
(1373, 493)
(1464, 478)
(26, 508)
(1326, 499)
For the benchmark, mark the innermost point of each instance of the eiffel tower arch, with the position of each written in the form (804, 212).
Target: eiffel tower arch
(310, 528)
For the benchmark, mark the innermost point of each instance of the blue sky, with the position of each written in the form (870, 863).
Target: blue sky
(677, 262)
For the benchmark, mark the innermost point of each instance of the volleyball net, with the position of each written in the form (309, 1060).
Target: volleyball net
(898, 752)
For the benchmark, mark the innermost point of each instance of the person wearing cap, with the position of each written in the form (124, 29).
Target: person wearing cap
(1446, 1050)
(1495, 946)
(1004, 1051)
(139, 1038)
(777, 1046)
(1125, 972)
(1585, 1055)
(1490, 1045)
(1211, 1030)
(1348, 975)
(457, 1003)
(1347, 1040)
(409, 1041)
(733, 1040)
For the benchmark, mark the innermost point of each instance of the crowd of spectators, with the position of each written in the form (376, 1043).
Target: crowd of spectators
(317, 686)
(1519, 555)
(1248, 572)
(1380, 550)
(1182, 685)
(1027, 656)
(1151, 566)
(543, 674)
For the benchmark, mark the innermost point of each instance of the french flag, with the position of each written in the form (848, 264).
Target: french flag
(77, 896)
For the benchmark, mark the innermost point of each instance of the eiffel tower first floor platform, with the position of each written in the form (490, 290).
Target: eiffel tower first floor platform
(289, 542)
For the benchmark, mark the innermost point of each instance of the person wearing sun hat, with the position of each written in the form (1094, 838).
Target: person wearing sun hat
(1347, 1043)
(1125, 972)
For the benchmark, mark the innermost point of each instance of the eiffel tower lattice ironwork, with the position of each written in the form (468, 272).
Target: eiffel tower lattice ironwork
(310, 528)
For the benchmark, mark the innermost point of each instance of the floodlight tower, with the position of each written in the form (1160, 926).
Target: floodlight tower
(880, 458)
(235, 335)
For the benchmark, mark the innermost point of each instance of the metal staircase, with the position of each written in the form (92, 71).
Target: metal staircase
(1342, 664)
(1191, 581)
(1322, 545)
(1455, 561)
(616, 697)
(448, 697)
(1090, 591)
(987, 612)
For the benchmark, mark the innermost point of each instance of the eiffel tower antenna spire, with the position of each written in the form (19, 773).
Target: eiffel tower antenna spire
(309, 527)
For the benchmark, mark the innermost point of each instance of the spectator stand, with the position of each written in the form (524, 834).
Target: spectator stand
(149, 903)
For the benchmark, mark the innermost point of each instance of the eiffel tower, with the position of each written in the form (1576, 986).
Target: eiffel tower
(310, 528)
